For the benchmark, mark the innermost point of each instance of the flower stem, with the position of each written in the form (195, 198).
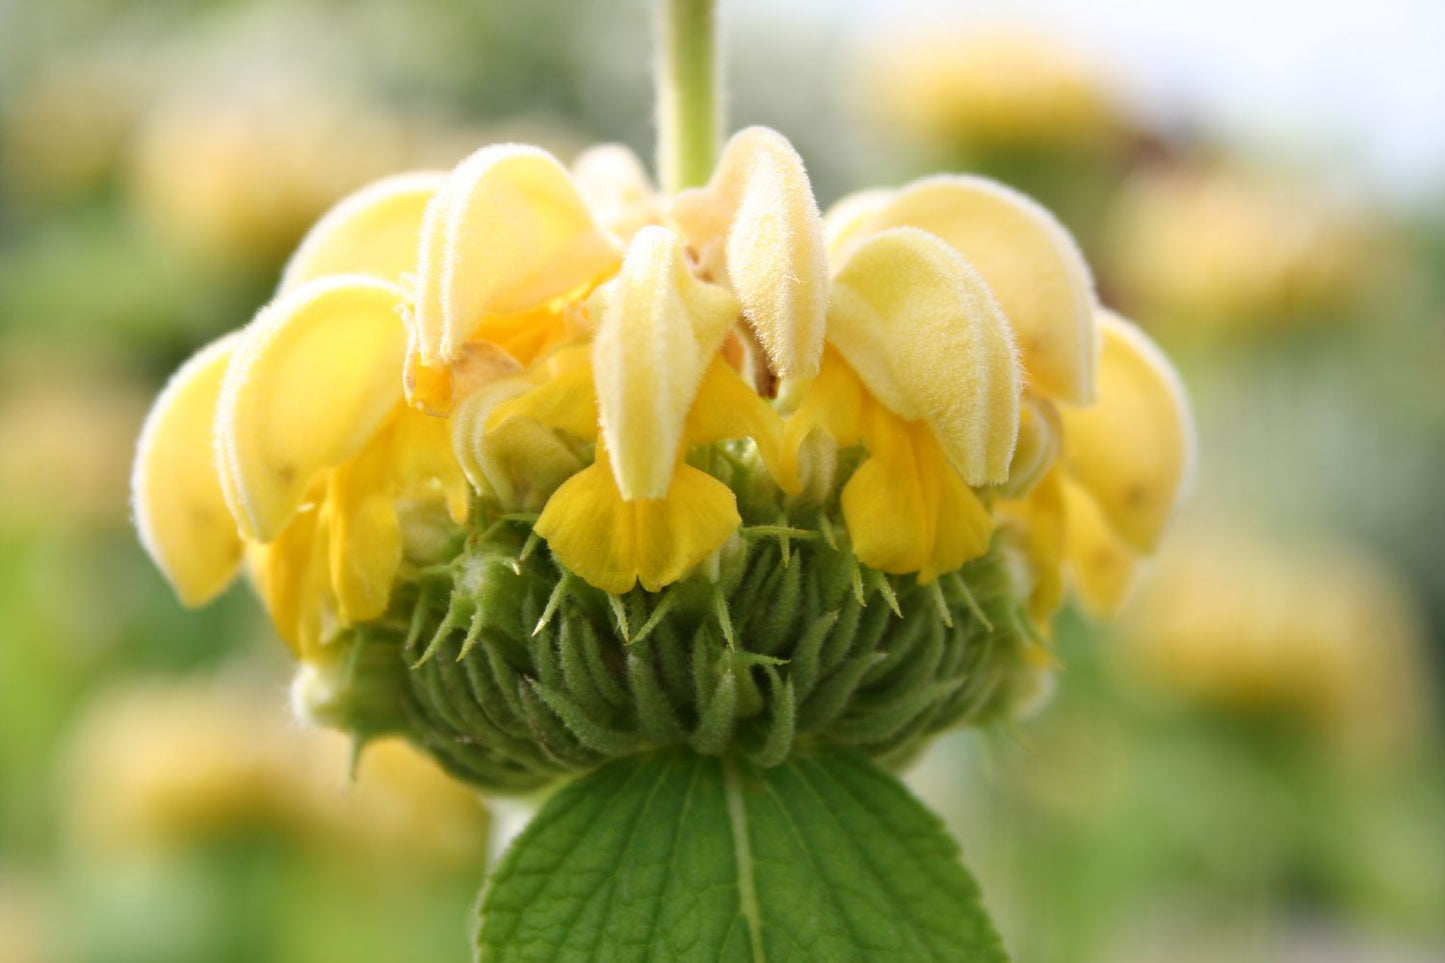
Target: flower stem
(689, 118)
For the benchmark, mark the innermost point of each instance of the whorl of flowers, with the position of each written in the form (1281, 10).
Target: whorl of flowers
(576, 469)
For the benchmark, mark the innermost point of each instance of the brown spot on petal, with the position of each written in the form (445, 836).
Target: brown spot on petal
(480, 363)
(1136, 496)
(733, 352)
(752, 361)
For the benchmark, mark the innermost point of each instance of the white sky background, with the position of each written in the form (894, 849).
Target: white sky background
(1362, 82)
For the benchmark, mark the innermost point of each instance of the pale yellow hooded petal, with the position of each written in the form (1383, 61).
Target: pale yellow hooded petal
(1133, 448)
(508, 232)
(1103, 566)
(180, 511)
(847, 221)
(757, 221)
(316, 374)
(919, 326)
(614, 543)
(375, 231)
(658, 331)
(617, 189)
(1037, 448)
(1029, 262)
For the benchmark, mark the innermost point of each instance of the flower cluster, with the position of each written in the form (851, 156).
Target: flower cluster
(652, 386)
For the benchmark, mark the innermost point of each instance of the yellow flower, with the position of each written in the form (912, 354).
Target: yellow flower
(290, 441)
(162, 763)
(1211, 249)
(630, 366)
(731, 270)
(942, 285)
(235, 167)
(1124, 461)
(989, 87)
(1321, 633)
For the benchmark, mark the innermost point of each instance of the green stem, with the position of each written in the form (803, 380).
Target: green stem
(689, 118)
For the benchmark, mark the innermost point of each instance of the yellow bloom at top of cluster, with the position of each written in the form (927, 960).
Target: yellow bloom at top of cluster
(570, 343)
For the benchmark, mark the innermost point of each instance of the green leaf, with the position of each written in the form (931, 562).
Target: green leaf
(677, 856)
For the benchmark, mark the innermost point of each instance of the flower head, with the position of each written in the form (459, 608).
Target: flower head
(669, 392)
(1320, 636)
(1214, 250)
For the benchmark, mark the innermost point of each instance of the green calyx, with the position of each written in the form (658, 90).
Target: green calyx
(512, 671)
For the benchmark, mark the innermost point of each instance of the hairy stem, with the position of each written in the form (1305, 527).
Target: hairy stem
(687, 75)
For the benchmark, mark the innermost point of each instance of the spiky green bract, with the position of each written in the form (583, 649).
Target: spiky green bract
(512, 672)
(683, 857)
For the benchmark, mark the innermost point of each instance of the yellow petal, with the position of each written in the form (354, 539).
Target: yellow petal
(757, 220)
(1132, 449)
(566, 398)
(847, 221)
(829, 416)
(365, 538)
(519, 462)
(906, 508)
(616, 188)
(962, 524)
(421, 460)
(920, 328)
(659, 330)
(834, 401)
(613, 544)
(292, 576)
(1039, 521)
(313, 378)
(1102, 565)
(436, 390)
(508, 232)
(375, 231)
(1029, 262)
(727, 407)
(410, 457)
(525, 335)
(180, 511)
(1037, 448)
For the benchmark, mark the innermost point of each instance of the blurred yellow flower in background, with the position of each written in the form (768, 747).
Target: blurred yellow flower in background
(27, 921)
(1319, 633)
(66, 428)
(1207, 248)
(993, 86)
(65, 130)
(160, 764)
(238, 168)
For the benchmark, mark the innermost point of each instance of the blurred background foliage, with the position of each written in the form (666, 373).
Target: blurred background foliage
(1246, 767)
